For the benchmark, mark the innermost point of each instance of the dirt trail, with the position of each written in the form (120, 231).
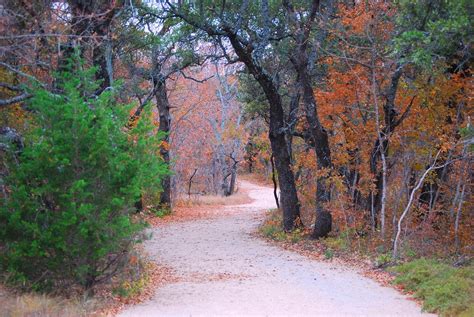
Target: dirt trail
(225, 271)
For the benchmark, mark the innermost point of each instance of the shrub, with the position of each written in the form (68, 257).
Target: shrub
(443, 288)
(296, 235)
(67, 218)
(383, 259)
(336, 243)
(328, 254)
(161, 212)
(272, 227)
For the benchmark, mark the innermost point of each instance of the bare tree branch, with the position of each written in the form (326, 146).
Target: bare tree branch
(19, 98)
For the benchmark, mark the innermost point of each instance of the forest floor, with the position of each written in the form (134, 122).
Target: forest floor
(220, 267)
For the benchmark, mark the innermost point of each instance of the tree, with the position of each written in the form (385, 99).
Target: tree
(227, 132)
(92, 24)
(241, 26)
(156, 49)
(67, 216)
(300, 58)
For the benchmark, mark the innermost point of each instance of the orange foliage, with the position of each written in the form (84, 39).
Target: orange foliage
(436, 104)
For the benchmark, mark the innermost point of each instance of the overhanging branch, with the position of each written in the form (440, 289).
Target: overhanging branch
(19, 98)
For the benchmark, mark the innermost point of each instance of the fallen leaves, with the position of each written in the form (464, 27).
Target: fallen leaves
(210, 208)
(198, 277)
(156, 276)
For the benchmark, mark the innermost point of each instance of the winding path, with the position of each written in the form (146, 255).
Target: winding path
(226, 271)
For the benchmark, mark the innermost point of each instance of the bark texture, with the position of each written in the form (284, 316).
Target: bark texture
(318, 135)
(288, 196)
(163, 106)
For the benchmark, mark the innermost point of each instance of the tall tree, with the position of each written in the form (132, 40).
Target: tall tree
(247, 28)
(302, 24)
(91, 24)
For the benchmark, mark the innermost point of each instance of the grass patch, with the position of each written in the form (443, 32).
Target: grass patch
(336, 243)
(328, 254)
(444, 289)
(272, 228)
(384, 259)
(42, 305)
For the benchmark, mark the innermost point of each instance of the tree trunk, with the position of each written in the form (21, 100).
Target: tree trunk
(319, 136)
(383, 193)
(233, 179)
(163, 106)
(275, 185)
(190, 182)
(233, 171)
(224, 172)
(91, 18)
(103, 58)
(381, 145)
(288, 196)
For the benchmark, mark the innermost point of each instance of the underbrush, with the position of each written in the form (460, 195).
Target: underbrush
(443, 288)
(130, 285)
(273, 229)
(134, 280)
(332, 245)
(43, 305)
(160, 212)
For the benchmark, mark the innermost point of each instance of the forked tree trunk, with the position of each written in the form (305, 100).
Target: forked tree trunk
(410, 202)
(381, 144)
(318, 135)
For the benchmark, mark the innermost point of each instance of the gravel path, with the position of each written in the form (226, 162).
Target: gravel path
(225, 271)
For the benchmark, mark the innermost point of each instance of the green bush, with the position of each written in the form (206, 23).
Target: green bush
(161, 212)
(272, 228)
(296, 235)
(328, 254)
(443, 288)
(67, 218)
(383, 259)
(336, 243)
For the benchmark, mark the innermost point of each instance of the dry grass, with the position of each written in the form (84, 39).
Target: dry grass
(39, 305)
(109, 298)
(238, 198)
(259, 179)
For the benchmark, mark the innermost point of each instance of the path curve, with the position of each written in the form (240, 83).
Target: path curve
(226, 271)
